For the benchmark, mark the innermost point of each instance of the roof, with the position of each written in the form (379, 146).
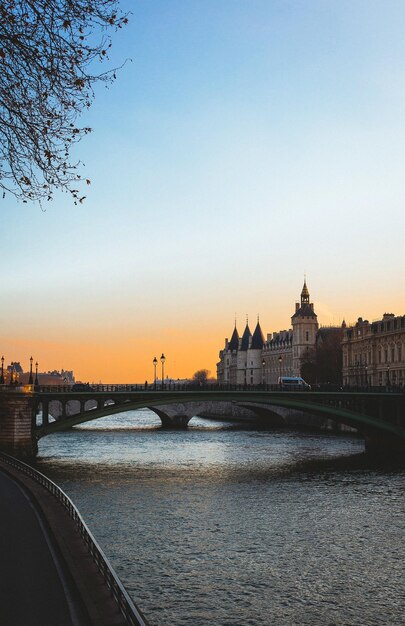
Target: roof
(305, 310)
(257, 339)
(305, 291)
(245, 338)
(234, 342)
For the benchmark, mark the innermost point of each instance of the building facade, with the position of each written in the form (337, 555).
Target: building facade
(374, 353)
(251, 360)
(241, 358)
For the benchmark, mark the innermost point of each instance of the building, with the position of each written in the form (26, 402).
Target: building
(374, 353)
(251, 360)
(241, 359)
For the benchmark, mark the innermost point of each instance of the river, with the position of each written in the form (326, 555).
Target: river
(232, 525)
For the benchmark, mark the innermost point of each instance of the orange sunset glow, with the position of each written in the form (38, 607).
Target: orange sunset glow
(190, 339)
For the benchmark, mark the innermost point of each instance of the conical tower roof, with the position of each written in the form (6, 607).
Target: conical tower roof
(234, 342)
(245, 338)
(258, 338)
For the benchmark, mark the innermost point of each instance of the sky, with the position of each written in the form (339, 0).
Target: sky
(243, 145)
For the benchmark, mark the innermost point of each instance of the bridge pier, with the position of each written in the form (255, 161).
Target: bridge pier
(385, 446)
(17, 422)
(177, 421)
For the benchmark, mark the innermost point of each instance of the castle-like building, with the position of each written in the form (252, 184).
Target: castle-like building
(254, 360)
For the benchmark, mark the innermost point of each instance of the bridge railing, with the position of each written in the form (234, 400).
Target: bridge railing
(209, 387)
(128, 609)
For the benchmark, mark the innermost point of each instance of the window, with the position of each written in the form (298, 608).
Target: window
(307, 336)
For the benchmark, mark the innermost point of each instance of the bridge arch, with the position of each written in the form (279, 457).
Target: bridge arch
(351, 409)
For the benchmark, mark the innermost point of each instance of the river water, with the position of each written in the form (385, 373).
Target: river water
(228, 525)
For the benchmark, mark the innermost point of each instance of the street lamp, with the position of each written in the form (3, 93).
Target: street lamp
(30, 380)
(366, 370)
(162, 360)
(388, 375)
(263, 366)
(154, 367)
(280, 360)
(12, 374)
(2, 371)
(36, 383)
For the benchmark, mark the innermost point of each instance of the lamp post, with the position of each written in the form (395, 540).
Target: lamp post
(280, 360)
(263, 366)
(154, 367)
(36, 383)
(31, 380)
(12, 374)
(162, 360)
(366, 371)
(2, 371)
(388, 376)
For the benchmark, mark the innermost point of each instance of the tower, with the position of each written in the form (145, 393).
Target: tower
(305, 326)
(242, 362)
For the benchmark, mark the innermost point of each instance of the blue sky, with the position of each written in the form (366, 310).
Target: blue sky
(245, 143)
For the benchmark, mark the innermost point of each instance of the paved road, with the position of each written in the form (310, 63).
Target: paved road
(33, 591)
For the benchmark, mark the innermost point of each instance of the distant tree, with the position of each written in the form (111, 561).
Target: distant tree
(329, 359)
(200, 377)
(308, 367)
(49, 52)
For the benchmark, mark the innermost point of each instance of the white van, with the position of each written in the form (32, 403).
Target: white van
(293, 383)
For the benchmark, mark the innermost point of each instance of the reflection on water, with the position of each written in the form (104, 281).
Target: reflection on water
(228, 525)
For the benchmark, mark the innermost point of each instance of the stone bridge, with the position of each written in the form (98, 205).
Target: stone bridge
(379, 417)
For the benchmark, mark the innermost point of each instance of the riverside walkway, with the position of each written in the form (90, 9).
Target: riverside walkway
(52, 572)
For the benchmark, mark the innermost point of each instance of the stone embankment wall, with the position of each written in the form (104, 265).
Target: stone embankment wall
(273, 415)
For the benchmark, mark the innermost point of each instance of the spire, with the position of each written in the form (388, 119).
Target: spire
(234, 343)
(245, 338)
(306, 308)
(258, 338)
(305, 293)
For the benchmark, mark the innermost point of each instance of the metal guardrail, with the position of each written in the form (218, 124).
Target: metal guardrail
(128, 609)
(209, 387)
(174, 387)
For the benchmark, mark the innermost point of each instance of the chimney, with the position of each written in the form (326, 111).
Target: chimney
(297, 306)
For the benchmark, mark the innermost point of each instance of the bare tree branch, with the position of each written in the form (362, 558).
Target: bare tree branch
(49, 52)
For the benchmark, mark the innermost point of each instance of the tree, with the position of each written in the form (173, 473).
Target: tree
(308, 366)
(200, 377)
(329, 359)
(49, 53)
